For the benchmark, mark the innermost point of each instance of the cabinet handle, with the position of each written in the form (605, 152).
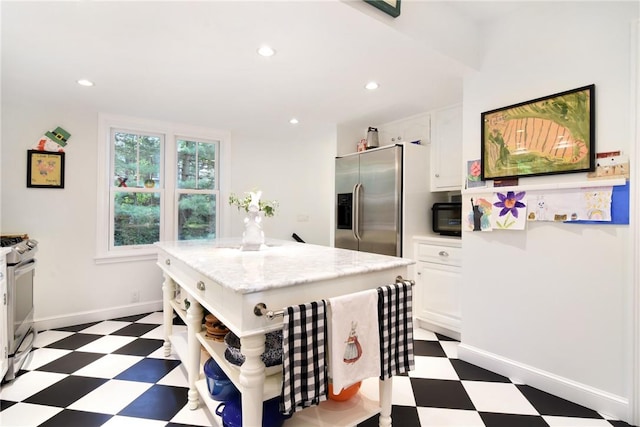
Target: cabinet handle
(167, 261)
(437, 175)
(443, 253)
(200, 285)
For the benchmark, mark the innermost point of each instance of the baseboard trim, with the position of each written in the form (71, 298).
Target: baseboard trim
(72, 319)
(601, 401)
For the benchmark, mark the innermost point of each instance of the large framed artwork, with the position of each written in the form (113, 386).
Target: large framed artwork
(392, 7)
(550, 135)
(45, 169)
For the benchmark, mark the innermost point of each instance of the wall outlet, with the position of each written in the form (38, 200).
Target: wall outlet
(135, 296)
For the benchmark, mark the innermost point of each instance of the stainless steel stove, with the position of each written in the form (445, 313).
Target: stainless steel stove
(21, 266)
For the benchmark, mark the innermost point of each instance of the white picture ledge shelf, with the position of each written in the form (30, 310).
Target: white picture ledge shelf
(555, 186)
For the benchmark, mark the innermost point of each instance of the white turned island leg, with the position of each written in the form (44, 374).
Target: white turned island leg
(168, 293)
(386, 388)
(194, 326)
(252, 380)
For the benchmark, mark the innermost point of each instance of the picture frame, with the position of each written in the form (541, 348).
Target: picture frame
(45, 169)
(391, 7)
(554, 134)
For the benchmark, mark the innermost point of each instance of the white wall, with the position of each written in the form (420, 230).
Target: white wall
(70, 288)
(551, 305)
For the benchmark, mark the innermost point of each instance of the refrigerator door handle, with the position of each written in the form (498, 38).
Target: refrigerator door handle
(356, 211)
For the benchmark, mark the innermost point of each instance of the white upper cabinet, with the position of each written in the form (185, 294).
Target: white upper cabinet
(411, 129)
(446, 149)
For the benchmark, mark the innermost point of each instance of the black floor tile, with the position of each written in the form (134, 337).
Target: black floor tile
(469, 372)
(444, 338)
(4, 404)
(619, 424)
(133, 318)
(149, 370)
(71, 362)
(140, 347)
(440, 394)
(428, 348)
(512, 420)
(76, 328)
(69, 418)
(159, 403)
(548, 404)
(74, 342)
(66, 391)
(135, 329)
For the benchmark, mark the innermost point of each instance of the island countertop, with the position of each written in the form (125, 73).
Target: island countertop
(278, 264)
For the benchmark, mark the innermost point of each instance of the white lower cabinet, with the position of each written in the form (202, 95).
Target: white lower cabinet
(438, 284)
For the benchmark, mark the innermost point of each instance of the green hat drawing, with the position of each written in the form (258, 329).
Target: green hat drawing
(59, 136)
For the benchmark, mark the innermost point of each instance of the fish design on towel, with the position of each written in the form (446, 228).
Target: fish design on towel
(353, 350)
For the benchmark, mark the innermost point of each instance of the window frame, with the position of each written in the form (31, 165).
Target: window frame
(169, 191)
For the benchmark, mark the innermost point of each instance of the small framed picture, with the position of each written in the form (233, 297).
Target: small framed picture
(45, 169)
(391, 7)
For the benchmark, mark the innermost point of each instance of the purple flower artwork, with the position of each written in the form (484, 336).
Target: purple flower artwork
(510, 203)
(511, 210)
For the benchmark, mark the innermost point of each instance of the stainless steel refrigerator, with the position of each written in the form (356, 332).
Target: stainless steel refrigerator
(369, 201)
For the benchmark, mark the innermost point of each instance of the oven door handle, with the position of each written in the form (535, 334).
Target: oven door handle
(25, 268)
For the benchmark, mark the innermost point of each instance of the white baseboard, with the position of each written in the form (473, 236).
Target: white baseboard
(601, 401)
(72, 319)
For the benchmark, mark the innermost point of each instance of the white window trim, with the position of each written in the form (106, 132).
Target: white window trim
(171, 131)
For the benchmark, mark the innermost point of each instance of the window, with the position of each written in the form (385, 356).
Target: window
(158, 182)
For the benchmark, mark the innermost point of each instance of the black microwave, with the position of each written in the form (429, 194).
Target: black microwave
(447, 219)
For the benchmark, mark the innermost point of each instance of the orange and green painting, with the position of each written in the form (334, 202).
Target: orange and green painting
(545, 136)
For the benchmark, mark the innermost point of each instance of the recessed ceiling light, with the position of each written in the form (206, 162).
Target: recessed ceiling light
(372, 86)
(85, 82)
(294, 121)
(266, 51)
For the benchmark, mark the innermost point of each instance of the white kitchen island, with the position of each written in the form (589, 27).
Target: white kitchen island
(230, 283)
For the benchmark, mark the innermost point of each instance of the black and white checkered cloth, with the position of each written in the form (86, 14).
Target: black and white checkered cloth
(304, 337)
(396, 329)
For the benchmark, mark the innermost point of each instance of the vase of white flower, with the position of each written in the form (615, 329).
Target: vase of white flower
(256, 209)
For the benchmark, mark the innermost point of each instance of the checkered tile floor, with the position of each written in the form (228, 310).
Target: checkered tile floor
(113, 373)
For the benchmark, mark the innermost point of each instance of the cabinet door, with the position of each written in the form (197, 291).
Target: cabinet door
(446, 146)
(4, 339)
(439, 295)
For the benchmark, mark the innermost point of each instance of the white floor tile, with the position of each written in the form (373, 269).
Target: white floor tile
(197, 417)
(106, 344)
(119, 421)
(433, 367)
(49, 337)
(575, 422)
(155, 318)
(111, 397)
(442, 417)
(109, 366)
(105, 328)
(29, 384)
(177, 377)
(450, 348)
(423, 334)
(159, 354)
(41, 356)
(402, 393)
(498, 397)
(158, 333)
(27, 415)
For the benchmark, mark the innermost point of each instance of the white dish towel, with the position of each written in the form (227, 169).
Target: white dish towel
(354, 339)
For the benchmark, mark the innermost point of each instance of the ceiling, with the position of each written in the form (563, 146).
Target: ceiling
(196, 62)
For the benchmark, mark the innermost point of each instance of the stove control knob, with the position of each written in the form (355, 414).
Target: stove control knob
(32, 243)
(20, 249)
